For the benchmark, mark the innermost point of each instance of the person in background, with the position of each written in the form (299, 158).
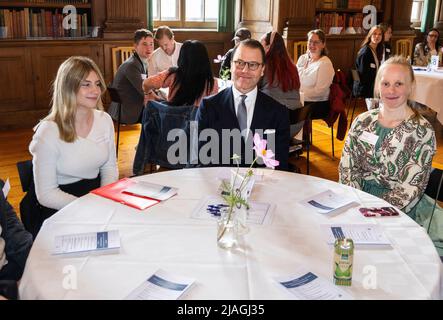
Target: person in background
(15, 242)
(387, 48)
(367, 63)
(281, 80)
(245, 108)
(190, 81)
(225, 67)
(316, 73)
(426, 49)
(129, 78)
(73, 148)
(166, 56)
(388, 152)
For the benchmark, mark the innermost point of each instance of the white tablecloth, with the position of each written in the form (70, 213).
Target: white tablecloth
(165, 236)
(429, 91)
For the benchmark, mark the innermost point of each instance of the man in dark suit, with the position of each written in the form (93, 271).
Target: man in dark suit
(129, 79)
(241, 108)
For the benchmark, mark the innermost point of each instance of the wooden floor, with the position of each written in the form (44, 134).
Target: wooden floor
(14, 148)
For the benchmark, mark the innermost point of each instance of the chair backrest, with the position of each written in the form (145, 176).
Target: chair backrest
(434, 185)
(25, 173)
(120, 55)
(300, 48)
(300, 114)
(158, 121)
(404, 47)
(113, 93)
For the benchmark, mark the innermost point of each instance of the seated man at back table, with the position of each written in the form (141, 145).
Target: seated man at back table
(129, 79)
(243, 108)
(167, 53)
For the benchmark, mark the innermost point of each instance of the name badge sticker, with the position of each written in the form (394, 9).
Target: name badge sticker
(369, 138)
(373, 66)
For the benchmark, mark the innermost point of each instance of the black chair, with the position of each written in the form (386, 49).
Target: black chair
(296, 116)
(354, 98)
(115, 97)
(434, 189)
(25, 173)
(9, 289)
(323, 114)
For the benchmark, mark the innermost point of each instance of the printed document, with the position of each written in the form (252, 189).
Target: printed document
(328, 202)
(161, 286)
(306, 285)
(87, 242)
(367, 234)
(151, 190)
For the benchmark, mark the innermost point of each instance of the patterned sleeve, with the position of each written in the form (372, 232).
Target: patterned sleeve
(349, 170)
(419, 57)
(412, 167)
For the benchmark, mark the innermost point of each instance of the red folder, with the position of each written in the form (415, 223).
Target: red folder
(115, 191)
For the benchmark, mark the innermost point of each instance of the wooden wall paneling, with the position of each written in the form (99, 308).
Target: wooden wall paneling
(257, 16)
(439, 17)
(16, 80)
(342, 52)
(123, 17)
(401, 19)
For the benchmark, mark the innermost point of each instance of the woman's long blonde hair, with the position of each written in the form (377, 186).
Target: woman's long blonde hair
(66, 85)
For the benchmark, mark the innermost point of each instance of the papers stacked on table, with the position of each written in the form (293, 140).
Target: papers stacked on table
(106, 241)
(161, 286)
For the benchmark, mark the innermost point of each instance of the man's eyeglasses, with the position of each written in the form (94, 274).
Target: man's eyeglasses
(251, 65)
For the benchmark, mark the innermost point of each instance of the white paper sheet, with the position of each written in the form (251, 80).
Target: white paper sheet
(306, 285)
(6, 188)
(87, 242)
(364, 234)
(152, 190)
(161, 286)
(329, 202)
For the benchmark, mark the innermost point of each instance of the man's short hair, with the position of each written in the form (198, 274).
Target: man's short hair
(253, 44)
(141, 34)
(163, 31)
(242, 34)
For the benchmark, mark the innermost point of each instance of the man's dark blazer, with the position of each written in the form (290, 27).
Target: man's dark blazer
(218, 113)
(128, 82)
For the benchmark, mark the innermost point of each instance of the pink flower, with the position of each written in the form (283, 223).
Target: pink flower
(219, 59)
(266, 155)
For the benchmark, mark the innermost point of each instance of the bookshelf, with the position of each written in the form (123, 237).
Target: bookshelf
(39, 19)
(344, 17)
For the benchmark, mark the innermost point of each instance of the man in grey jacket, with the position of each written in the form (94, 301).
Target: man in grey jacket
(129, 78)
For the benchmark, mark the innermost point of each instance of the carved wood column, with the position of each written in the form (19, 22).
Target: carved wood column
(123, 17)
(401, 17)
(259, 16)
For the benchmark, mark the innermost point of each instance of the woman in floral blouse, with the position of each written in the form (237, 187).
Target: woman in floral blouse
(426, 49)
(389, 150)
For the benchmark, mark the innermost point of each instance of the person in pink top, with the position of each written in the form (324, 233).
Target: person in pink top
(190, 81)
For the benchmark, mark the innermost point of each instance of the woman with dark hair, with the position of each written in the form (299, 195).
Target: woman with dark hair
(426, 49)
(387, 48)
(190, 81)
(281, 80)
(316, 74)
(367, 63)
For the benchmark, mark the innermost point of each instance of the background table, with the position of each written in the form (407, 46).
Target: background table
(165, 236)
(429, 91)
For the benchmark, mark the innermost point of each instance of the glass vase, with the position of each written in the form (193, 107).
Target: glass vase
(227, 229)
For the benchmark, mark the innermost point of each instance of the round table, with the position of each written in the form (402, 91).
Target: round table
(167, 237)
(429, 90)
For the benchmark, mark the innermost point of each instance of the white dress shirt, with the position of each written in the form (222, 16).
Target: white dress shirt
(160, 61)
(315, 78)
(251, 97)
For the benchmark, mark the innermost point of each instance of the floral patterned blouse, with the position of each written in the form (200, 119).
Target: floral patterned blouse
(400, 164)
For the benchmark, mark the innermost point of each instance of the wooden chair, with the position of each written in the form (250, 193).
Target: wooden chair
(120, 55)
(300, 48)
(403, 47)
(115, 97)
